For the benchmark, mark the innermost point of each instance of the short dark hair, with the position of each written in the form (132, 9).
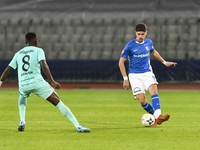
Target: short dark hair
(30, 36)
(141, 27)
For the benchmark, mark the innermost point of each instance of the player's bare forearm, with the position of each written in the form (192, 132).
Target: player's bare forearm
(156, 55)
(159, 58)
(123, 72)
(122, 67)
(46, 70)
(6, 73)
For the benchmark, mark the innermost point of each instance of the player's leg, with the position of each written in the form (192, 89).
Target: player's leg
(22, 107)
(55, 100)
(22, 110)
(139, 92)
(47, 92)
(155, 100)
(156, 104)
(151, 86)
(144, 103)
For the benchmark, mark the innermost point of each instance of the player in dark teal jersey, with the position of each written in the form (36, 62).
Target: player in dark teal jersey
(29, 60)
(140, 73)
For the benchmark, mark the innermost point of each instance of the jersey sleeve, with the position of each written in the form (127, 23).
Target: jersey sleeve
(41, 55)
(13, 62)
(151, 46)
(125, 51)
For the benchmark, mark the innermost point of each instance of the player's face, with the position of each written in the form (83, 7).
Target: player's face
(140, 36)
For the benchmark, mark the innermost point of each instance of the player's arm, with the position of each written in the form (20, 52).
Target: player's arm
(155, 54)
(123, 72)
(5, 74)
(46, 70)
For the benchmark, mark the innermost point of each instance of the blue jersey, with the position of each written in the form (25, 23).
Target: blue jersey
(139, 55)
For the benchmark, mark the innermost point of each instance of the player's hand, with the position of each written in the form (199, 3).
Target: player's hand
(55, 85)
(126, 84)
(168, 64)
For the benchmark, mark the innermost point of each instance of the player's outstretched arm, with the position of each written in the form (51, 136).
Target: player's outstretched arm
(159, 58)
(46, 70)
(5, 74)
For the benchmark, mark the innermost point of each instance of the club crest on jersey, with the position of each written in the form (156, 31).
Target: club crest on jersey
(147, 48)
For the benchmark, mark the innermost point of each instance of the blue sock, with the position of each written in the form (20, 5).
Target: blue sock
(22, 107)
(156, 105)
(155, 101)
(148, 107)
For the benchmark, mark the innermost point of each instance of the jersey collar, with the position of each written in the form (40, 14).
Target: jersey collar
(139, 42)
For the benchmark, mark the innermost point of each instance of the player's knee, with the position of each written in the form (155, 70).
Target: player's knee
(141, 98)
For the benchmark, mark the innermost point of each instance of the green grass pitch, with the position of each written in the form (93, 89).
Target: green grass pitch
(113, 116)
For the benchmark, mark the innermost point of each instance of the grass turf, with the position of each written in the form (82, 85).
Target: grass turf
(113, 115)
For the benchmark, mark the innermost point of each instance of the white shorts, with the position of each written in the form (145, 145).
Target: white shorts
(141, 82)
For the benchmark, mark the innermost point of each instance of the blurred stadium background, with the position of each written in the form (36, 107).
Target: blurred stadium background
(83, 39)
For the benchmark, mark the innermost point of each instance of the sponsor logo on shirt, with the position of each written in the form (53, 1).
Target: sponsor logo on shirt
(27, 79)
(26, 73)
(142, 55)
(26, 52)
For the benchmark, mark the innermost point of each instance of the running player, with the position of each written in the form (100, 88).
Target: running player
(28, 61)
(140, 73)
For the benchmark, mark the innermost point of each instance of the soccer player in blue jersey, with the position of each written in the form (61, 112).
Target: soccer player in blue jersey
(29, 61)
(140, 74)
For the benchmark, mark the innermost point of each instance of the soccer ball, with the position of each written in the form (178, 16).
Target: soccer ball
(147, 120)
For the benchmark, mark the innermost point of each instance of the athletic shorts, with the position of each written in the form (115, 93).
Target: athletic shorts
(42, 89)
(141, 82)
